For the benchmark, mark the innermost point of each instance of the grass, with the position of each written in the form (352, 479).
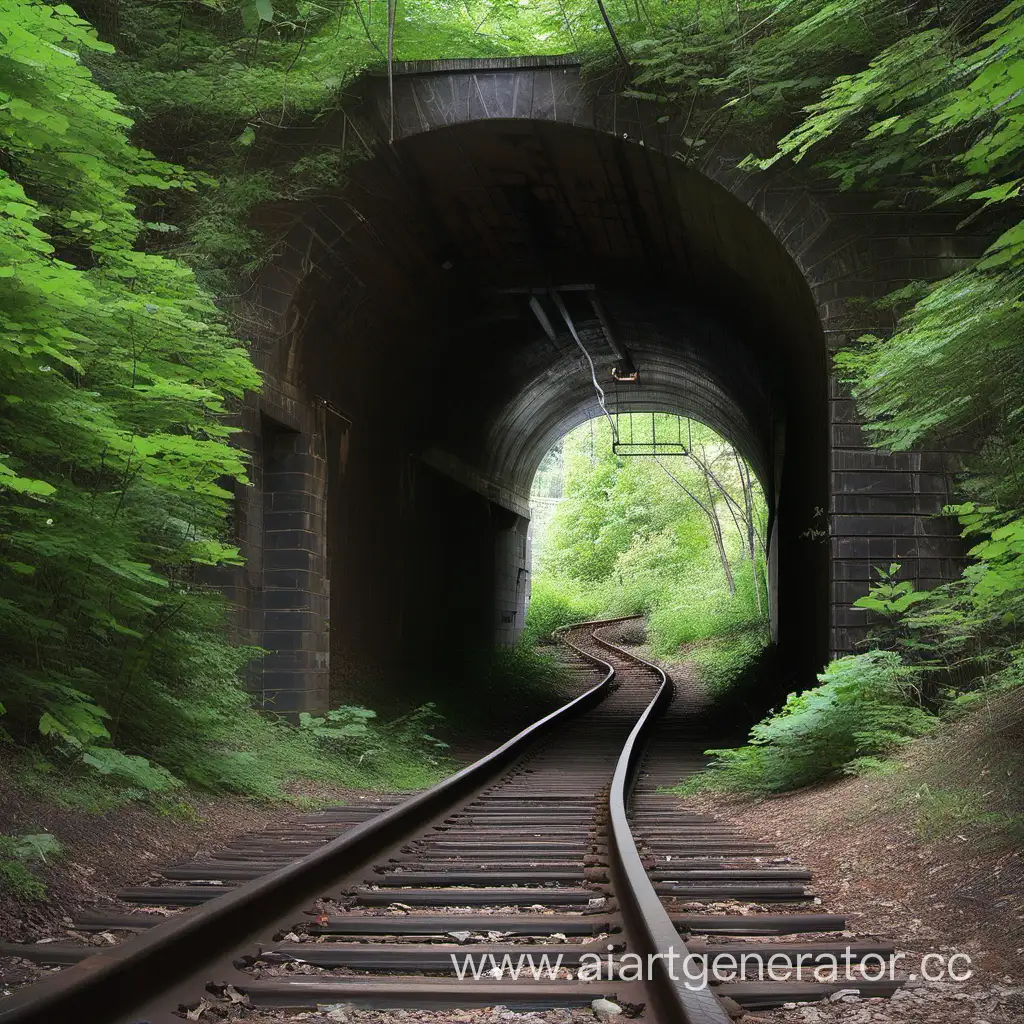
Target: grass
(255, 757)
(968, 779)
(723, 659)
(264, 757)
(18, 855)
(555, 603)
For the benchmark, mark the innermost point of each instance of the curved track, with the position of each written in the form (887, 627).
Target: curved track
(537, 850)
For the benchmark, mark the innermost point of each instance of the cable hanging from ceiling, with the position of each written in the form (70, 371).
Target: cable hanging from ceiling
(601, 398)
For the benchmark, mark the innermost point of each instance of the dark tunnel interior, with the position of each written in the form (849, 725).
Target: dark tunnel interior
(438, 336)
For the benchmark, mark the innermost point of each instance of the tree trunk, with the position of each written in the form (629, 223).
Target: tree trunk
(716, 529)
(712, 515)
(748, 503)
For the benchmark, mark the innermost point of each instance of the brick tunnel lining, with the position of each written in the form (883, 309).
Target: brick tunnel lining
(412, 326)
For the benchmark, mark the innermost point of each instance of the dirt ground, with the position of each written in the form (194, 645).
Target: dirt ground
(110, 851)
(871, 865)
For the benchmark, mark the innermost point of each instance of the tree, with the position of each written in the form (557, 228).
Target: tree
(114, 449)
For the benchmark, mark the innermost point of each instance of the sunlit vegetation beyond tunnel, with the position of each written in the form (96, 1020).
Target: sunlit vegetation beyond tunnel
(665, 520)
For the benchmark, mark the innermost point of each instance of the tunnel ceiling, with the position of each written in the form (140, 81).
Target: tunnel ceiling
(420, 297)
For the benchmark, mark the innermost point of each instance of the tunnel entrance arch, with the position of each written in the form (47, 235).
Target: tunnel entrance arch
(403, 312)
(645, 508)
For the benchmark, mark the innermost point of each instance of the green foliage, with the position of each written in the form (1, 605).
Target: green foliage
(117, 371)
(240, 751)
(865, 707)
(555, 602)
(889, 597)
(354, 731)
(700, 613)
(969, 634)
(889, 600)
(633, 535)
(221, 84)
(130, 770)
(722, 658)
(344, 723)
(17, 856)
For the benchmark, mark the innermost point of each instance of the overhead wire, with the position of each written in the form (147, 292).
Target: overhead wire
(392, 8)
(601, 397)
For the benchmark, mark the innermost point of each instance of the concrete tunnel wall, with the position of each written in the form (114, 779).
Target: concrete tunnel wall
(414, 393)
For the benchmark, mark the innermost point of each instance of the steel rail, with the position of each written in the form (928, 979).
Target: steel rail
(684, 990)
(110, 983)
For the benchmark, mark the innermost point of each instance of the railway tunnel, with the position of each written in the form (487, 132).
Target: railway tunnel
(426, 334)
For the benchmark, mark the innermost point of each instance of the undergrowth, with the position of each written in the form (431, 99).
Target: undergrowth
(865, 708)
(251, 755)
(555, 603)
(495, 691)
(965, 783)
(19, 856)
(722, 659)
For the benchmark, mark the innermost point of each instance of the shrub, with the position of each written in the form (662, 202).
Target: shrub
(699, 607)
(556, 602)
(864, 708)
(255, 755)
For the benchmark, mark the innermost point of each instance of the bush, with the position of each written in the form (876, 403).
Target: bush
(554, 603)
(864, 709)
(699, 607)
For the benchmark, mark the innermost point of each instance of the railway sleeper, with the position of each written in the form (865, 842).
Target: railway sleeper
(757, 924)
(518, 924)
(399, 992)
(454, 897)
(522, 876)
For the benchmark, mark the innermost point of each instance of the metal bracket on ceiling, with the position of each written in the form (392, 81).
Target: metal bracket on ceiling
(624, 369)
(542, 317)
(329, 407)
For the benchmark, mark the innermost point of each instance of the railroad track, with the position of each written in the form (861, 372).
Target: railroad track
(559, 844)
